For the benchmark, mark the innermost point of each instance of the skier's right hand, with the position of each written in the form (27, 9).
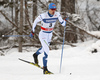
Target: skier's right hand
(32, 34)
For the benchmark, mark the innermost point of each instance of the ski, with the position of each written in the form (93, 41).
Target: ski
(31, 63)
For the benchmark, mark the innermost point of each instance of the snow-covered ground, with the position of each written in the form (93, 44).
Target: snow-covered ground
(78, 64)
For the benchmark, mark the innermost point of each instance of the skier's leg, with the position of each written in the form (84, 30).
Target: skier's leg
(45, 41)
(39, 51)
(46, 51)
(45, 45)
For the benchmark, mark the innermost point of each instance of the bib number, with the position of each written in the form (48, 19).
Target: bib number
(50, 25)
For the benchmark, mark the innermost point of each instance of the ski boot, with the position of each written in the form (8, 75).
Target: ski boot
(45, 71)
(35, 56)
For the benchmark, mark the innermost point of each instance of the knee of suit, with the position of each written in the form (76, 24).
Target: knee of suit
(45, 55)
(39, 51)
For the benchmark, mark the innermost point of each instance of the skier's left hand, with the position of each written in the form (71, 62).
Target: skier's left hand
(66, 18)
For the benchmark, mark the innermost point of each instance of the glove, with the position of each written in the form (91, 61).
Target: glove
(66, 19)
(32, 34)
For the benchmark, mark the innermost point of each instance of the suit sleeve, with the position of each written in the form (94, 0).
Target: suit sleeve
(38, 19)
(63, 22)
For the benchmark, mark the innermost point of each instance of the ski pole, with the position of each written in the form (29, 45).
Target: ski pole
(62, 48)
(15, 36)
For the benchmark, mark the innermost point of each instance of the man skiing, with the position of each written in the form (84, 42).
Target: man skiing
(48, 20)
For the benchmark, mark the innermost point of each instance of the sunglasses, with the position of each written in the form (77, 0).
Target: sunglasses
(53, 9)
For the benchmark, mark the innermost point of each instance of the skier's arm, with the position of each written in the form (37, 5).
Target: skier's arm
(38, 19)
(63, 22)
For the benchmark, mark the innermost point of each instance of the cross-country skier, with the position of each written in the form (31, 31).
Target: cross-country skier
(48, 20)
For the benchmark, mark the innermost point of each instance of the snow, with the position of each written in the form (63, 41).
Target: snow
(78, 64)
(30, 2)
(75, 17)
(96, 33)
